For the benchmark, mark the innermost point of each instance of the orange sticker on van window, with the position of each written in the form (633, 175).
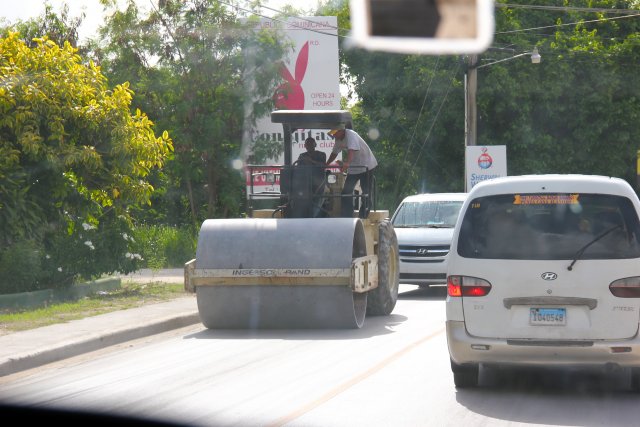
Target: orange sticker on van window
(545, 199)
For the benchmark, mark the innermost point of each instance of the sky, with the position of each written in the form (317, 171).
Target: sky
(25, 9)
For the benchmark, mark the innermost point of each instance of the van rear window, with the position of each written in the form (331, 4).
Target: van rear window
(550, 226)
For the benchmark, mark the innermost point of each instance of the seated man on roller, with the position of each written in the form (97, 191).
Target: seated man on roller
(318, 159)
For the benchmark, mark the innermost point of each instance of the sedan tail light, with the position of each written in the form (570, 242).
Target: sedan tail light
(628, 287)
(465, 286)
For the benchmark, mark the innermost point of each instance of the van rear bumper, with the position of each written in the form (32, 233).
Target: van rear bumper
(467, 349)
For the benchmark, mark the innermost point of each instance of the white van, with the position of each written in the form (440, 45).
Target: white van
(544, 270)
(424, 226)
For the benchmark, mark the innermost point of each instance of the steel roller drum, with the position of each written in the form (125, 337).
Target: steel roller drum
(313, 247)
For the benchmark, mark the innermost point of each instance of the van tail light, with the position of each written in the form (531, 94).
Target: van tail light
(465, 286)
(626, 288)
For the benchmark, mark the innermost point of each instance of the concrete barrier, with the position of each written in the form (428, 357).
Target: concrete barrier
(35, 299)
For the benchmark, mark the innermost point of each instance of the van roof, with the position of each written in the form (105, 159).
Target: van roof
(428, 197)
(555, 183)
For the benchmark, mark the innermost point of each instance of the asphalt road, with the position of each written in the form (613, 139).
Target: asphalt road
(392, 372)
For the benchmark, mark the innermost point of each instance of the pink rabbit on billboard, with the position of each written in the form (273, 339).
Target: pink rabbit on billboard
(290, 95)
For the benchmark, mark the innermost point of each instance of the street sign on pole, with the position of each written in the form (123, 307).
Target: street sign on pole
(483, 163)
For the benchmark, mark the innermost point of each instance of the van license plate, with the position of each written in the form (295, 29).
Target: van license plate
(547, 316)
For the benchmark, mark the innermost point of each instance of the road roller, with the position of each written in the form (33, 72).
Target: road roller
(294, 262)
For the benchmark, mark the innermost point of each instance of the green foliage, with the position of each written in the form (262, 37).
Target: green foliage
(73, 160)
(164, 246)
(410, 109)
(71, 152)
(575, 112)
(89, 251)
(58, 27)
(189, 62)
(20, 267)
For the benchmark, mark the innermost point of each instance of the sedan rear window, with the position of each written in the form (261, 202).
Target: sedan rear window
(427, 214)
(550, 226)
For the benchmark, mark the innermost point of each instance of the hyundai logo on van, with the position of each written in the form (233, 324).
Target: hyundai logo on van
(549, 276)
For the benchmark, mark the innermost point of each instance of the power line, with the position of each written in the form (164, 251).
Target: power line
(502, 5)
(435, 70)
(406, 153)
(295, 16)
(435, 119)
(565, 8)
(455, 73)
(569, 23)
(281, 21)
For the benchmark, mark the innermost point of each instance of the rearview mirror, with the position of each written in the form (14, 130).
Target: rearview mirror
(435, 27)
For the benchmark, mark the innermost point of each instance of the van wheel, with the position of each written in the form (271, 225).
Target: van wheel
(635, 380)
(465, 376)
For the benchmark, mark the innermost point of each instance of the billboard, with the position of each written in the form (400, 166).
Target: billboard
(483, 162)
(310, 81)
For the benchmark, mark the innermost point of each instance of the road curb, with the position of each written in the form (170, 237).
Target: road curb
(33, 348)
(91, 342)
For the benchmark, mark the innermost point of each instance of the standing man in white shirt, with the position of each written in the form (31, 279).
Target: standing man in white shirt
(359, 166)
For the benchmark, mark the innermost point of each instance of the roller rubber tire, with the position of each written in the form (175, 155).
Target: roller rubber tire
(382, 300)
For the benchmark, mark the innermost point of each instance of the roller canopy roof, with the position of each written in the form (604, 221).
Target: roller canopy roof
(312, 119)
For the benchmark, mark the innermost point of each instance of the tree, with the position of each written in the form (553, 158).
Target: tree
(59, 28)
(575, 112)
(187, 61)
(412, 109)
(73, 160)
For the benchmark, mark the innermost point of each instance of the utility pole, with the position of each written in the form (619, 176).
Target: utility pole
(471, 112)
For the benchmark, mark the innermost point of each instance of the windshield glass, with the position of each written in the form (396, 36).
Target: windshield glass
(427, 214)
(550, 226)
(304, 190)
